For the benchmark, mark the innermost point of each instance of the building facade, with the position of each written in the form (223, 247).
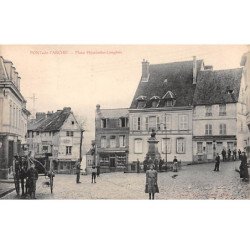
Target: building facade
(219, 118)
(111, 139)
(245, 63)
(58, 134)
(13, 117)
(163, 102)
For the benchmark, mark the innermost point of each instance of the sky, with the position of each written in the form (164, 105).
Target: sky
(82, 76)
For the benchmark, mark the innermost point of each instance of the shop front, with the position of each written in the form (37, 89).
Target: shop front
(113, 161)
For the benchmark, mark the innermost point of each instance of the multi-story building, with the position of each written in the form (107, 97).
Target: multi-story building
(111, 139)
(13, 116)
(245, 63)
(219, 114)
(58, 134)
(163, 102)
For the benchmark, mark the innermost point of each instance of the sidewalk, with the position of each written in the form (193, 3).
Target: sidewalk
(6, 187)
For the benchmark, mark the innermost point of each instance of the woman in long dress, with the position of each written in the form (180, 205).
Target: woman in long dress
(244, 168)
(151, 182)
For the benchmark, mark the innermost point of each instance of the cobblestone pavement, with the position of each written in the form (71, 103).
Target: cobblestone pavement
(192, 182)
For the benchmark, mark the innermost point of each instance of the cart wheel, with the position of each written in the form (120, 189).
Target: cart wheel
(51, 183)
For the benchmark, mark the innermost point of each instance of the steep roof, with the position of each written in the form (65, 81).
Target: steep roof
(213, 86)
(114, 113)
(176, 77)
(53, 122)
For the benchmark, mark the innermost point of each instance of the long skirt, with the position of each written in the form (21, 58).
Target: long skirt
(151, 187)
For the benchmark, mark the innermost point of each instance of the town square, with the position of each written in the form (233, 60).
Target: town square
(85, 127)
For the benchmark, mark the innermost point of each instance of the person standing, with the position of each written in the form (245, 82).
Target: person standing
(175, 164)
(229, 154)
(32, 177)
(17, 169)
(138, 166)
(244, 168)
(217, 163)
(78, 170)
(234, 154)
(223, 153)
(239, 154)
(151, 182)
(23, 176)
(98, 171)
(93, 174)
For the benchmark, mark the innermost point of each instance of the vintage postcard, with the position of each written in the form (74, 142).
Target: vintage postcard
(124, 122)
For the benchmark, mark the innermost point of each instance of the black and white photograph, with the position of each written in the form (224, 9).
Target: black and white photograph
(129, 122)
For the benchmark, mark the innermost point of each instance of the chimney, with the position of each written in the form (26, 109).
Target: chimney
(145, 70)
(18, 82)
(49, 114)
(12, 75)
(16, 79)
(194, 70)
(40, 115)
(67, 108)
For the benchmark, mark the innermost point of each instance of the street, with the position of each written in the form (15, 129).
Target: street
(192, 182)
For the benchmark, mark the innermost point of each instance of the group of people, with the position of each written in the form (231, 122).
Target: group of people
(95, 171)
(231, 155)
(26, 175)
(243, 169)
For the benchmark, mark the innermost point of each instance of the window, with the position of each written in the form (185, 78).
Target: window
(208, 110)
(112, 141)
(146, 123)
(169, 103)
(122, 122)
(103, 142)
(199, 147)
(223, 130)
(136, 123)
(72, 122)
(167, 124)
(104, 123)
(122, 140)
(222, 110)
(241, 126)
(45, 148)
(208, 129)
(166, 145)
(70, 133)
(152, 122)
(180, 143)
(141, 104)
(183, 122)
(37, 133)
(68, 150)
(138, 146)
(158, 123)
(154, 103)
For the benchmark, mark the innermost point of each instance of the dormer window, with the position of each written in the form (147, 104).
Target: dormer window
(169, 103)
(104, 123)
(169, 99)
(141, 101)
(155, 101)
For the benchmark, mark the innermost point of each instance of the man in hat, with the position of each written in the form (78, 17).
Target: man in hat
(32, 177)
(217, 163)
(78, 171)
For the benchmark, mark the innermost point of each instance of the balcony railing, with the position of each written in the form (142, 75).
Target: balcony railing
(208, 114)
(222, 113)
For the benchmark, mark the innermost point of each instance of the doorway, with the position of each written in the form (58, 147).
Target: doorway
(112, 162)
(209, 150)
